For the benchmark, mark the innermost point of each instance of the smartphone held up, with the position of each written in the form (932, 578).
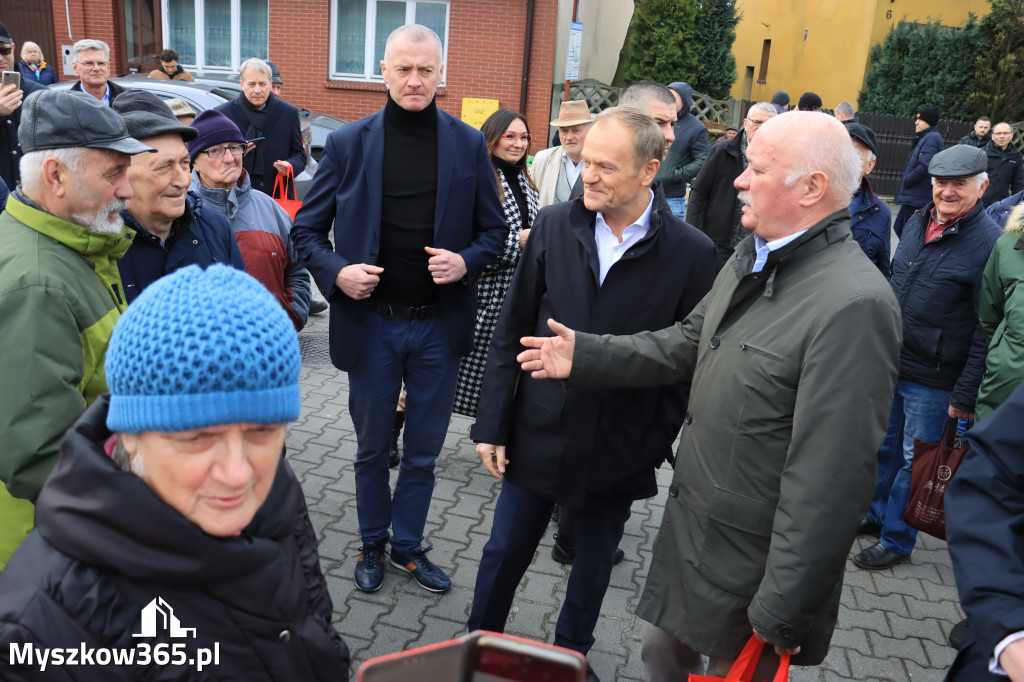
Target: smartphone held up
(480, 656)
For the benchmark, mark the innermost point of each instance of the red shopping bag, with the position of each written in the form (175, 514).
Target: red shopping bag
(933, 469)
(282, 184)
(743, 668)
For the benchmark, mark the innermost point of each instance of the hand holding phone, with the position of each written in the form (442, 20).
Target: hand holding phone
(10, 92)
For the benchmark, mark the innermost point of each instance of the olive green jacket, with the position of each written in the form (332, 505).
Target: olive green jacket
(1001, 315)
(793, 371)
(60, 296)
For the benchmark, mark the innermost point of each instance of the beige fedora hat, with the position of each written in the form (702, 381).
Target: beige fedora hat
(573, 113)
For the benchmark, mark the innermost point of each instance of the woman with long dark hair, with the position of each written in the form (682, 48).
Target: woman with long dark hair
(508, 139)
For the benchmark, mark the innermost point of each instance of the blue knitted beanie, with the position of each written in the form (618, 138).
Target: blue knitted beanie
(199, 348)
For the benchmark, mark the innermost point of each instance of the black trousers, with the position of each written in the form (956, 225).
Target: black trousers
(520, 521)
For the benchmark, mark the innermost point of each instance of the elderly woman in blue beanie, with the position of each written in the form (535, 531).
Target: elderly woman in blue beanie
(172, 540)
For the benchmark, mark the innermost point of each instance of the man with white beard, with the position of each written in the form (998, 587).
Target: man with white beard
(60, 291)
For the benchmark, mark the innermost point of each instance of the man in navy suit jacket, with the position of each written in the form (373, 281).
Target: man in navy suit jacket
(410, 192)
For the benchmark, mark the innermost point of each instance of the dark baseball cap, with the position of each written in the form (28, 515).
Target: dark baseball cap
(146, 115)
(56, 119)
(862, 134)
(959, 161)
(275, 74)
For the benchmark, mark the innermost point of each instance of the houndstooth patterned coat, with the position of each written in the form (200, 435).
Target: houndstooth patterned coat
(490, 293)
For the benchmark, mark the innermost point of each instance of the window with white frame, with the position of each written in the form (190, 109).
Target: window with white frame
(216, 35)
(360, 29)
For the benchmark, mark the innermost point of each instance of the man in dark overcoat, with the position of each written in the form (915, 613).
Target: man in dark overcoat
(271, 121)
(613, 261)
(777, 453)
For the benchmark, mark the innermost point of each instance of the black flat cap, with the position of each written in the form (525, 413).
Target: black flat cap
(56, 119)
(146, 115)
(959, 161)
(863, 134)
(5, 35)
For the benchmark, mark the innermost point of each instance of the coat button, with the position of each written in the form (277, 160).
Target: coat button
(194, 242)
(787, 631)
(688, 418)
(673, 491)
(715, 342)
(285, 635)
(373, 255)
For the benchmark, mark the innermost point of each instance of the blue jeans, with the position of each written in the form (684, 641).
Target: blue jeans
(417, 352)
(918, 412)
(678, 206)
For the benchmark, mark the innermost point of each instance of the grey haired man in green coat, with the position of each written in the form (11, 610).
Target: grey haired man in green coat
(60, 291)
(793, 359)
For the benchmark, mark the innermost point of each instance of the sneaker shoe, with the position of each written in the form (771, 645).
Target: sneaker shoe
(429, 576)
(317, 306)
(370, 568)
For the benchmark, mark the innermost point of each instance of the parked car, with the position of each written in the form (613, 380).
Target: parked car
(204, 96)
(321, 125)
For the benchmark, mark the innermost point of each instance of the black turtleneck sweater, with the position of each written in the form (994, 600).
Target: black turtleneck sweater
(512, 171)
(409, 202)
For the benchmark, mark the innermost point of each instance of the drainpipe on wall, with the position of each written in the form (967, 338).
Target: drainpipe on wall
(526, 56)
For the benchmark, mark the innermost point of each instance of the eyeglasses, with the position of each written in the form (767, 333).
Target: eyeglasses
(217, 152)
(6, 50)
(512, 137)
(1004, 132)
(756, 123)
(93, 65)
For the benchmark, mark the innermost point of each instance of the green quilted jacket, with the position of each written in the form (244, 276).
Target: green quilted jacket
(60, 296)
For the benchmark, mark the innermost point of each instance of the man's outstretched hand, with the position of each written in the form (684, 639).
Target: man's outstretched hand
(549, 357)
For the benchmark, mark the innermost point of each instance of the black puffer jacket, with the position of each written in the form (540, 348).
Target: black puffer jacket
(1005, 172)
(105, 546)
(938, 286)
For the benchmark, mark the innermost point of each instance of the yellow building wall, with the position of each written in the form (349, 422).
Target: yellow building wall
(822, 45)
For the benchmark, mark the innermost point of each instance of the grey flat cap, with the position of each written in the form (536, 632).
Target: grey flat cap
(960, 161)
(146, 115)
(56, 119)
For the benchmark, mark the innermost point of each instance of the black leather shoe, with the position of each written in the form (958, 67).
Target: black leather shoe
(563, 553)
(591, 675)
(316, 306)
(877, 557)
(869, 528)
(959, 634)
(370, 568)
(395, 456)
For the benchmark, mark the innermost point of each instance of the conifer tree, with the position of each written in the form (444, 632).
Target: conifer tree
(663, 42)
(999, 84)
(716, 34)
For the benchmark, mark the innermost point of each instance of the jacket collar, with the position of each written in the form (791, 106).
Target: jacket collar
(582, 221)
(77, 238)
(833, 228)
(227, 201)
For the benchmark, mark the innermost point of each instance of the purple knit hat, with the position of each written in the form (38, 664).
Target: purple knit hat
(214, 128)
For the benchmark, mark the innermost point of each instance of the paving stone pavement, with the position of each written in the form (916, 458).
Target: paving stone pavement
(892, 624)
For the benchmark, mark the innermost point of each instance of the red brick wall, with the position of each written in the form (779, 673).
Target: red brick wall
(485, 59)
(485, 55)
(99, 23)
